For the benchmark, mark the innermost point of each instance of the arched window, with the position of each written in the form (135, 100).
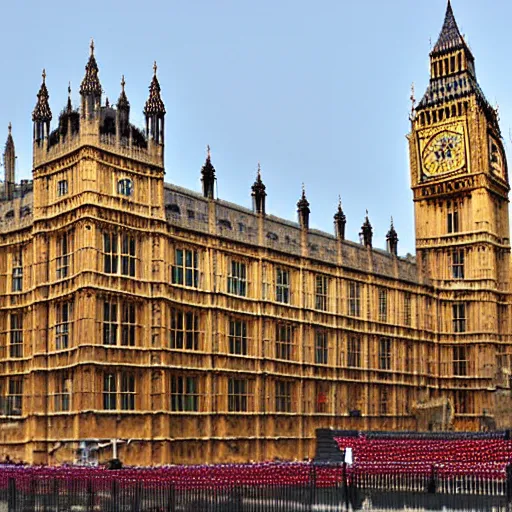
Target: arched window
(125, 187)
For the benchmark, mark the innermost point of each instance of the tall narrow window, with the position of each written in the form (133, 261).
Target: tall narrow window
(282, 286)
(407, 309)
(109, 323)
(354, 351)
(237, 279)
(128, 256)
(184, 333)
(16, 335)
(119, 319)
(109, 392)
(15, 396)
(321, 347)
(383, 305)
(185, 270)
(128, 324)
(237, 337)
(63, 256)
(127, 391)
(17, 271)
(384, 354)
(321, 292)
(62, 396)
(458, 264)
(62, 321)
(459, 317)
(115, 247)
(284, 341)
(110, 257)
(452, 217)
(283, 396)
(238, 395)
(184, 393)
(460, 362)
(354, 298)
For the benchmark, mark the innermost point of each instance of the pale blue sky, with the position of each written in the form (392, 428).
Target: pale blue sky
(317, 91)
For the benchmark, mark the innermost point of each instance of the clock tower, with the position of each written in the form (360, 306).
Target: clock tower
(460, 186)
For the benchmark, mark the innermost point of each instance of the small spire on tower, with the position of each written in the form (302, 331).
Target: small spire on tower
(208, 176)
(42, 110)
(258, 193)
(122, 102)
(340, 221)
(367, 232)
(303, 209)
(91, 84)
(9, 165)
(392, 239)
(154, 104)
(69, 106)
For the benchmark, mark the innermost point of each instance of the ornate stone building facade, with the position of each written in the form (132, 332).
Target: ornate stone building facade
(193, 330)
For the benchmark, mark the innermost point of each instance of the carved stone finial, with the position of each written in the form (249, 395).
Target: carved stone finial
(155, 67)
(92, 46)
(9, 127)
(44, 75)
(123, 83)
(208, 152)
(413, 99)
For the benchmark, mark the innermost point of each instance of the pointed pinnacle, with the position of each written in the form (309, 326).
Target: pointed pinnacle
(9, 127)
(44, 75)
(92, 46)
(155, 67)
(123, 83)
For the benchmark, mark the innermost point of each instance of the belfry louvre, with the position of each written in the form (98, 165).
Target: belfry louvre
(191, 329)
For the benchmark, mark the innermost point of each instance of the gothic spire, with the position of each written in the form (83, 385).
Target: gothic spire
(450, 37)
(367, 231)
(340, 220)
(122, 102)
(392, 239)
(91, 83)
(9, 165)
(208, 176)
(303, 209)
(42, 112)
(258, 193)
(69, 106)
(154, 104)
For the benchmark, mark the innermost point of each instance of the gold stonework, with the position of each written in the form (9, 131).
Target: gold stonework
(194, 330)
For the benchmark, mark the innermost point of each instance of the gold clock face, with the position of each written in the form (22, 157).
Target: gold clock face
(496, 158)
(444, 153)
